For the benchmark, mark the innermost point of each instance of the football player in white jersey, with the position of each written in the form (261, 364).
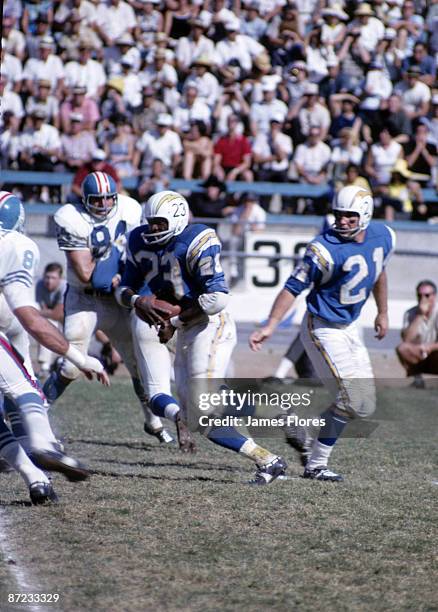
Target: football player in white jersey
(342, 266)
(17, 266)
(93, 236)
(179, 263)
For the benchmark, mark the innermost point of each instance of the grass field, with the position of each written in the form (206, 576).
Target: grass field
(155, 530)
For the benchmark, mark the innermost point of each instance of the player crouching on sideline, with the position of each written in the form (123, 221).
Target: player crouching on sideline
(17, 267)
(93, 236)
(180, 264)
(342, 265)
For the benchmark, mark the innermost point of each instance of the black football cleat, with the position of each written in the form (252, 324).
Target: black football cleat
(162, 435)
(55, 461)
(42, 493)
(322, 473)
(268, 473)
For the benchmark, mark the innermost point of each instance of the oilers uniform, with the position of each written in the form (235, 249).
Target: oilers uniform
(341, 274)
(180, 271)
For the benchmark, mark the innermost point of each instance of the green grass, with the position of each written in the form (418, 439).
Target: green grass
(155, 530)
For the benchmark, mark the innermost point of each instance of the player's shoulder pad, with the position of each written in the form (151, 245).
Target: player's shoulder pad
(73, 219)
(318, 252)
(135, 240)
(129, 210)
(198, 238)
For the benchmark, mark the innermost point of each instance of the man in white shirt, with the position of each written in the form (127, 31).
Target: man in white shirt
(114, 19)
(206, 83)
(415, 94)
(312, 158)
(190, 109)
(237, 47)
(311, 112)
(191, 47)
(86, 72)
(371, 30)
(272, 152)
(11, 101)
(163, 144)
(47, 66)
(12, 69)
(262, 113)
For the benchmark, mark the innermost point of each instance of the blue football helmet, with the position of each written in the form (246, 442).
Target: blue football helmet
(99, 193)
(11, 213)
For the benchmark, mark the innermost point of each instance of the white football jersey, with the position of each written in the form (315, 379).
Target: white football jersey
(77, 230)
(18, 262)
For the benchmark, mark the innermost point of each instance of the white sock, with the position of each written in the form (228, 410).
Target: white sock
(152, 421)
(256, 453)
(320, 455)
(283, 368)
(36, 423)
(13, 453)
(171, 411)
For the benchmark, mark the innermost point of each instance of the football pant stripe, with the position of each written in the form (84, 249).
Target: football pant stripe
(213, 348)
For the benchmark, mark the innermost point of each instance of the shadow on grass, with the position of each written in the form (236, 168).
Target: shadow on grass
(166, 478)
(191, 466)
(14, 503)
(118, 444)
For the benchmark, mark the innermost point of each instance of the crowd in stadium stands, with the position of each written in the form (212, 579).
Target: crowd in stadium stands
(309, 91)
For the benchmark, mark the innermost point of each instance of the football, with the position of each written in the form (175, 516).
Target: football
(161, 307)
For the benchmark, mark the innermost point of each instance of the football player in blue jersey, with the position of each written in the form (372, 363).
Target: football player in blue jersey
(342, 266)
(179, 263)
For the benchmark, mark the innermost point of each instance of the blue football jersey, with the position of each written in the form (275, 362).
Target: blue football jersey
(179, 271)
(341, 273)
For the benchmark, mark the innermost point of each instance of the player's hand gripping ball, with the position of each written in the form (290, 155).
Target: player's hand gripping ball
(154, 311)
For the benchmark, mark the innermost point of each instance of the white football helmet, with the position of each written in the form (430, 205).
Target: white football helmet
(354, 199)
(172, 207)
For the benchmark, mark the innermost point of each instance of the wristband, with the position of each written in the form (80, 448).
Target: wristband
(133, 299)
(176, 322)
(75, 356)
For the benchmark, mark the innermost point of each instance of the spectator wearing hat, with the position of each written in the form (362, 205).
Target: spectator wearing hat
(251, 24)
(12, 69)
(112, 102)
(262, 73)
(420, 153)
(343, 108)
(98, 163)
(317, 55)
(206, 83)
(81, 104)
(195, 45)
(177, 22)
(415, 94)
(402, 197)
(272, 153)
(232, 154)
(261, 113)
(10, 101)
(220, 17)
(231, 102)
(40, 147)
(77, 144)
(237, 47)
(249, 216)
(145, 116)
(191, 108)
(120, 147)
(311, 112)
(113, 20)
(162, 143)
(296, 80)
(198, 152)
(212, 202)
(126, 51)
(86, 72)
(13, 40)
(149, 21)
(426, 62)
(73, 34)
(45, 101)
(370, 29)
(333, 29)
(47, 66)
(161, 74)
(381, 158)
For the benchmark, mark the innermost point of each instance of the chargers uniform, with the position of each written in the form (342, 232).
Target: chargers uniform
(342, 274)
(89, 306)
(179, 272)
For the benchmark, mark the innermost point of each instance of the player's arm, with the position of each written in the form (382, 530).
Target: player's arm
(380, 292)
(82, 263)
(283, 302)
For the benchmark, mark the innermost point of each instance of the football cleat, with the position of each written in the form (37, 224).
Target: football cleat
(55, 461)
(268, 473)
(185, 440)
(162, 435)
(42, 493)
(322, 473)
